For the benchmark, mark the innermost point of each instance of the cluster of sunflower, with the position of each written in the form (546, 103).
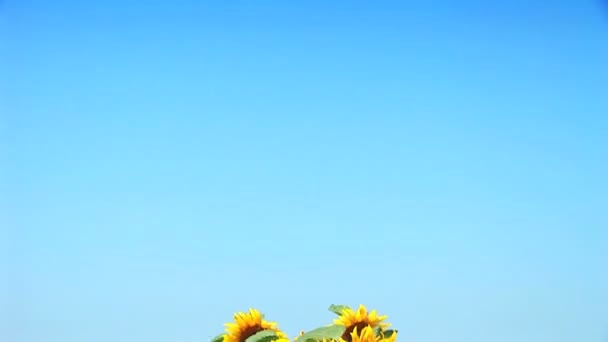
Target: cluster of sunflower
(350, 326)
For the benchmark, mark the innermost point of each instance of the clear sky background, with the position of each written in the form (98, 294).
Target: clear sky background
(167, 163)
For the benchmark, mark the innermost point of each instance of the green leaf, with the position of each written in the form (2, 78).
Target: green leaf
(384, 334)
(218, 338)
(327, 332)
(337, 309)
(263, 336)
(389, 333)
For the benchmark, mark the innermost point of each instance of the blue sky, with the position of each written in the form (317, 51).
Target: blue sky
(164, 164)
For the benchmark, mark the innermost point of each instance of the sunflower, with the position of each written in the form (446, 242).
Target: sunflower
(367, 335)
(248, 324)
(359, 319)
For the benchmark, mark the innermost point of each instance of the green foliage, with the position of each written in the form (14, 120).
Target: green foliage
(326, 332)
(388, 333)
(384, 334)
(218, 338)
(337, 309)
(263, 336)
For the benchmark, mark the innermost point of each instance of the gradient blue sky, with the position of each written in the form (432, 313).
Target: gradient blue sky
(164, 164)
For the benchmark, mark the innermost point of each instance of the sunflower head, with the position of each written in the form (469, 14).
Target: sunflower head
(359, 320)
(367, 335)
(247, 324)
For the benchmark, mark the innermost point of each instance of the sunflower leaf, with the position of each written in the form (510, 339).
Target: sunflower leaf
(337, 309)
(327, 332)
(263, 336)
(218, 338)
(389, 333)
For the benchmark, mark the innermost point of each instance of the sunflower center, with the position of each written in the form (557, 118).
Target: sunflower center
(360, 325)
(249, 331)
